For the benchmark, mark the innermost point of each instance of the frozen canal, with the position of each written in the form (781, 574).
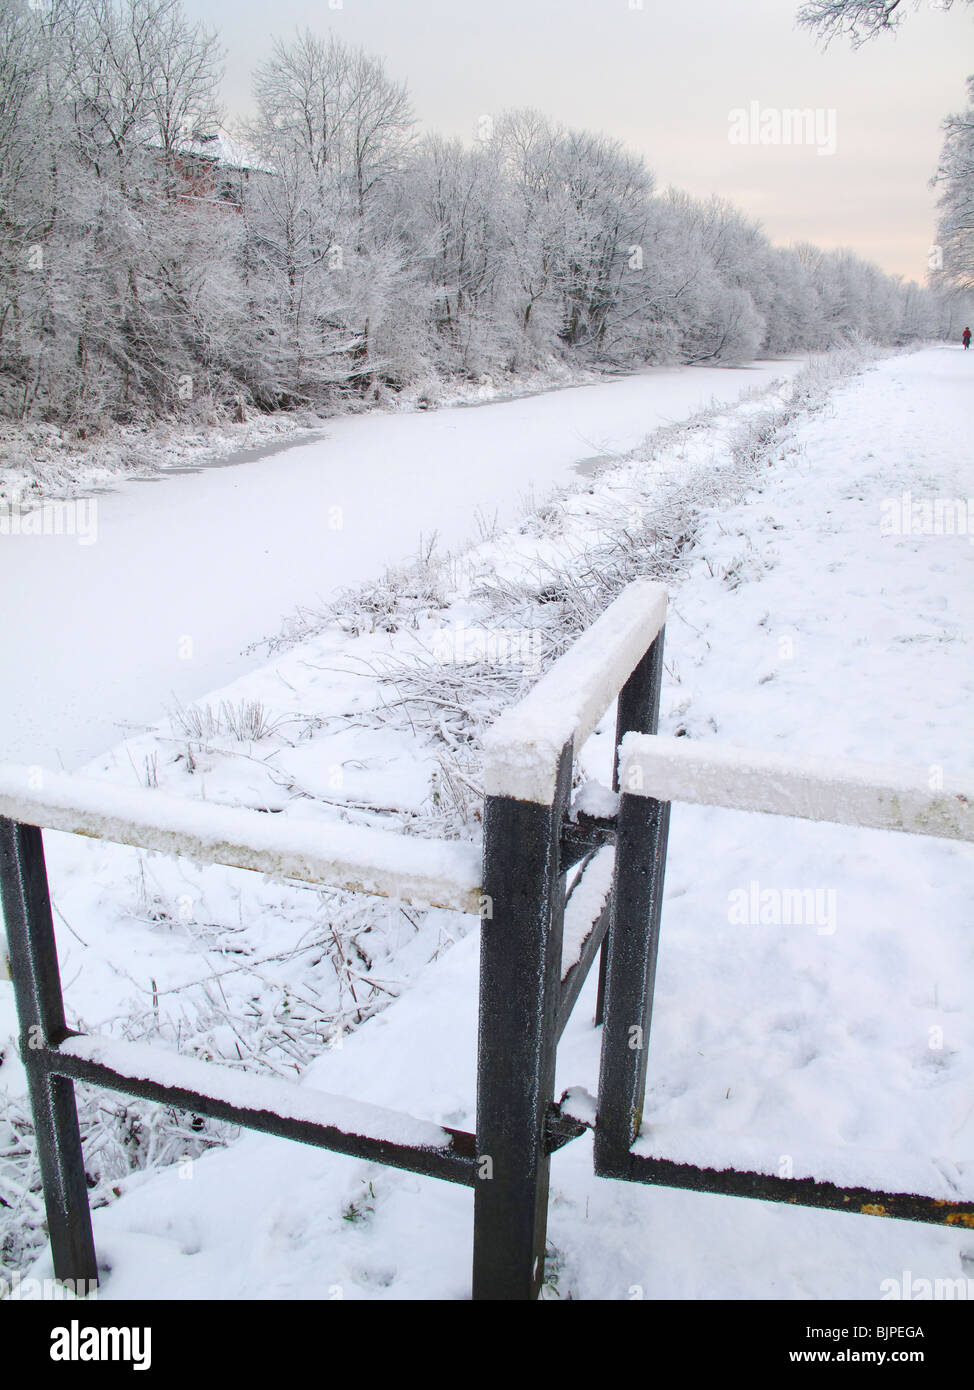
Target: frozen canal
(186, 570)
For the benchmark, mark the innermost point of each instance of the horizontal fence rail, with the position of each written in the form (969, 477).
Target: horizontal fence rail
(802, 1192)
(360, 859)
(845, 793)
(264, 1103)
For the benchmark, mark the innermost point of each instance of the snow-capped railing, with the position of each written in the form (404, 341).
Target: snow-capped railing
(433, 872)
(532, 836)
(559, 886)
(534, 958)
(440, 873)
(529, 843)
(845, 793)
(523, 747)
(653, 772)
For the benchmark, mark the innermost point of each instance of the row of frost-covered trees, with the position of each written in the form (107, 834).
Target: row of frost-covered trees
(335, 250)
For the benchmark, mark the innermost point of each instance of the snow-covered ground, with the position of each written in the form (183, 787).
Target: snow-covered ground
(839, 1044)
(155, 597)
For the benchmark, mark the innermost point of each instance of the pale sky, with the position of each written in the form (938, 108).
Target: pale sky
(664, 79)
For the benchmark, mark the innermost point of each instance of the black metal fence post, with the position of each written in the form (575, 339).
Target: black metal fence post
(40, 1007)
(520, 984)
(637, 712)
(630, 948)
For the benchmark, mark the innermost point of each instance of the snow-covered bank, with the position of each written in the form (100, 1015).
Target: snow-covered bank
(40, 461)
(797, 624)
(182, 573)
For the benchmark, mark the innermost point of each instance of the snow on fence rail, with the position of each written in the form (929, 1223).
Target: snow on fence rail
(523, 746)
(846, 793)
(157, 1066)
(285, 1108)
(440, 873)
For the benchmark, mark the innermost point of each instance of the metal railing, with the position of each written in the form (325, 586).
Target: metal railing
(531, 970)
(655, 772)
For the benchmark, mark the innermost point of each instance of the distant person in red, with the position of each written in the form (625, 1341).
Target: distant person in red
(966, 336)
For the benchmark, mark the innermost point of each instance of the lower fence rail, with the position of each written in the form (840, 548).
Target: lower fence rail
(802, 1192)
(266, 1104)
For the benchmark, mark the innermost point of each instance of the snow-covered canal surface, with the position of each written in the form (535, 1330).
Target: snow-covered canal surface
(187, 570)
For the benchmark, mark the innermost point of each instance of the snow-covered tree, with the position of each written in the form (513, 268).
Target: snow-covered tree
(859, 20)
(956, 180)
(334, 133)
(148, 264)
(458, 236)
